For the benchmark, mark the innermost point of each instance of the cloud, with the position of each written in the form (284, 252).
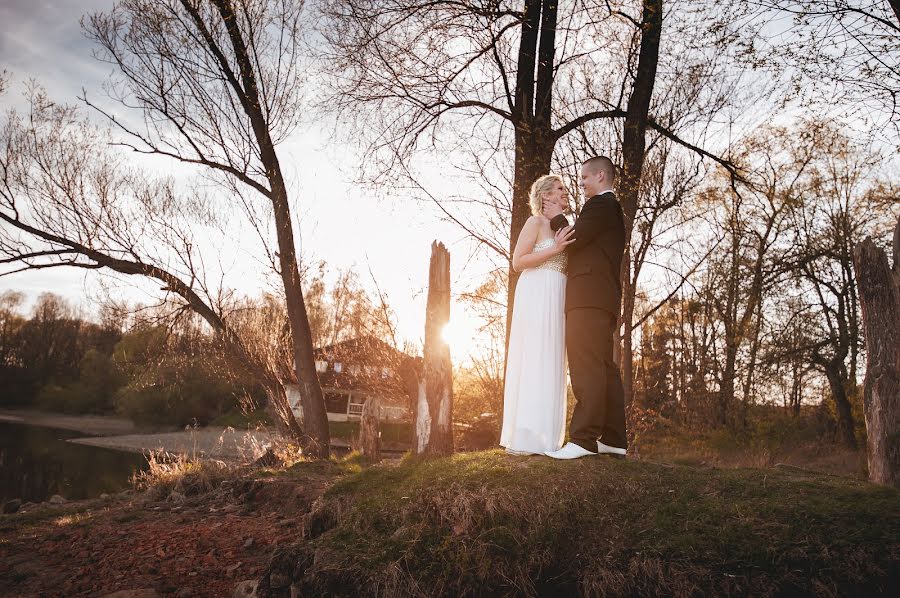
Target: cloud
(43, 41)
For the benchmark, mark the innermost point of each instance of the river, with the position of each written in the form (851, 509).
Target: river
(37, 462)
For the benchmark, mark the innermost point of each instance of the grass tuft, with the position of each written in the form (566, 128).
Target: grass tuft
(177, 476)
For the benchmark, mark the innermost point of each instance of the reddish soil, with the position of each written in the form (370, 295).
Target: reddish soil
(200, 547)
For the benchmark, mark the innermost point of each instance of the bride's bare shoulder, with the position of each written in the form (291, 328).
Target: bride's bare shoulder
(536, 221)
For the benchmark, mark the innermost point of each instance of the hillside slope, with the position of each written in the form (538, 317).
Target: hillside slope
(486, 524)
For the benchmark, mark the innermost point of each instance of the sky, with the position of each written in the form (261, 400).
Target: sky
(345, 225)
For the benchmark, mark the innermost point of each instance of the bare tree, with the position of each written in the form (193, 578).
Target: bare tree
(504, 82)
(218, 85)
(839, 52)
(68, 201)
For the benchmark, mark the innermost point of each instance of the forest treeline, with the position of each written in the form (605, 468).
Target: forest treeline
(158, 370)
(746, 300)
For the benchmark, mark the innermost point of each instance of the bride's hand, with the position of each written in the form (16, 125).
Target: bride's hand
(563, 238)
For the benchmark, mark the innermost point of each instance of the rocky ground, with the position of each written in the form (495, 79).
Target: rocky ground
(157, 543)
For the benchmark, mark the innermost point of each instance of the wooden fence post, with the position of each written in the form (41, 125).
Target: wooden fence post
(879, 298)
(434, 404)
(369, 429)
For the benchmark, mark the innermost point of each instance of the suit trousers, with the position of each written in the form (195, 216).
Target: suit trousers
(599, 412)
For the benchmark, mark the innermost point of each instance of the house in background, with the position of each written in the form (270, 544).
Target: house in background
(352, 371)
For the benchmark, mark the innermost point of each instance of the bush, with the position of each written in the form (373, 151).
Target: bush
(92, 392)
(191, 397)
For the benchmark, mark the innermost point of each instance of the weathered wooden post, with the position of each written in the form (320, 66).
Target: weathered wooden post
(434, 405)
(879, 297)
(369, 429)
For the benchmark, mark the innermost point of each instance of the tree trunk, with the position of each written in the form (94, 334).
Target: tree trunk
(838, 385)
(879, 294)
(623, 350)
(633, 153)
(534, 137)
(895, 5)
(434, 408)
(726, 391)
(315, 417)
(369, 432)
(532, 160)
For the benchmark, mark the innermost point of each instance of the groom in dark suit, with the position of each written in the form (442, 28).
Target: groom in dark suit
(593, 300)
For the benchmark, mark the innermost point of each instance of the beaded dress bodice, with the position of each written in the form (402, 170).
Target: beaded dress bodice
(558, 262)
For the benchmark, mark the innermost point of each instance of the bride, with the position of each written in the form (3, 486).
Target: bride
(534, 398)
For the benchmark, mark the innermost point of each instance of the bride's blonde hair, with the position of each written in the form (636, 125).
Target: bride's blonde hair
(538, 188)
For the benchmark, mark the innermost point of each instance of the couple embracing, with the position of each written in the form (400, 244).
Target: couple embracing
(566, 304)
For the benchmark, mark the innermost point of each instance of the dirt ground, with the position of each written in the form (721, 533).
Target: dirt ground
(201, 546)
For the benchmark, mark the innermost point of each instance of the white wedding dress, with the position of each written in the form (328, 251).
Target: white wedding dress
(534, 397)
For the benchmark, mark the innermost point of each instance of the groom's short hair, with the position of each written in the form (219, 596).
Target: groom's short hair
(598, 163)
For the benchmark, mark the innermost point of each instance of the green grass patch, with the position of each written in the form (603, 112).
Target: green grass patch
(488, 524)
(391, 432)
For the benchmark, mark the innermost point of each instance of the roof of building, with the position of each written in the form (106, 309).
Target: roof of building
(368, 365)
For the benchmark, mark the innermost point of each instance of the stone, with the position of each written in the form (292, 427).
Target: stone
(11, 506)
(245, 589)
(185, 593)
(104, 496)
(56, 499)
(249, 543)
(278, 580)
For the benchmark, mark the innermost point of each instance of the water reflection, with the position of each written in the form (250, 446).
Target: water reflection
(37, 462)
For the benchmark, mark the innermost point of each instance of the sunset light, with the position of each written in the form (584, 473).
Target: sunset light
(510, 260)
(461, 333)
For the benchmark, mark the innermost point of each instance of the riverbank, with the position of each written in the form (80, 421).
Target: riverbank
(93, 425)
(224, 444)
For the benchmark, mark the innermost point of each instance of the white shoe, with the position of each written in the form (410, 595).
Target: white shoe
(605, 449)
(510, 451)
(570, 451)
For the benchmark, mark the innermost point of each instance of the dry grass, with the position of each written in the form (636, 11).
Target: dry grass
(486, 524)
(175, 477)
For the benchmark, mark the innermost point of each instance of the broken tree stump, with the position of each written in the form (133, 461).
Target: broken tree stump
(879, 298)
(370, 430)
(434, 404)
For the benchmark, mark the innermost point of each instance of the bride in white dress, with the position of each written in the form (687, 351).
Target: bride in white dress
(534, 397)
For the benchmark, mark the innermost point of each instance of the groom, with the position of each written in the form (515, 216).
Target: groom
(593, 299)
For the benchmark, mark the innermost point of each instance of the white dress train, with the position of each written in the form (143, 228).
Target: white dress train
(534, 397)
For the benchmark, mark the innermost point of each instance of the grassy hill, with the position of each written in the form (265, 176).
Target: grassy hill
(486, 524)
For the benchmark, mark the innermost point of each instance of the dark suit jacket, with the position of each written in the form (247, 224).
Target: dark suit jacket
(595, 258)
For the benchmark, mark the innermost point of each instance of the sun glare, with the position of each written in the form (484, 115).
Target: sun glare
(461, 334)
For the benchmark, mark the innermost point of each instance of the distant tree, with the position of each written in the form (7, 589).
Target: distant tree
(50, 341)
(656, 371)
(345, 309)
(753, 217)
(842, 203)
(840, 53)
(176, 376)
(12, 374)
